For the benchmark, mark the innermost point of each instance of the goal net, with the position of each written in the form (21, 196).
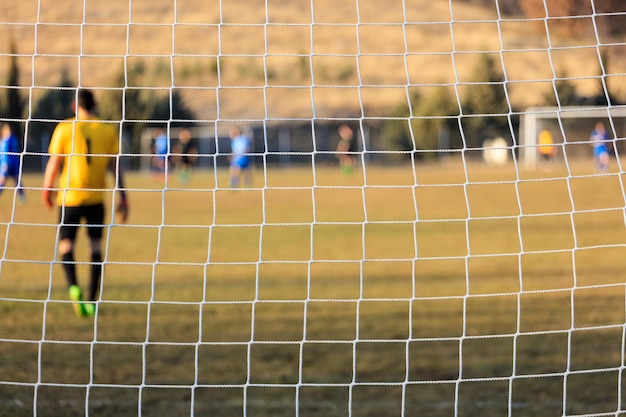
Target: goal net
(337, 208)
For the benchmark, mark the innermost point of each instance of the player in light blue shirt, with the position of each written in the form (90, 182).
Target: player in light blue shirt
(10, 160)
(160, 149)
(240, 158)
(600, 142)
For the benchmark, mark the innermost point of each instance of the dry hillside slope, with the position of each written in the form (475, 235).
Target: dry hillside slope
(297, 58)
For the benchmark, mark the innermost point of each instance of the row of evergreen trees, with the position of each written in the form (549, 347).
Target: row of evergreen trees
(430, 122)
(138, 107)
(426, 122)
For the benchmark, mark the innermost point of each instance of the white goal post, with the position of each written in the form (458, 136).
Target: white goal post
(533, 118)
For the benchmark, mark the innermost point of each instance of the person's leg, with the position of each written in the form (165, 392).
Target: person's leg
(96, 268)
(350, 163)
(69, 220)
(66, 252)
(604, 162)
(247, 173)
(597, 160)
(235, 173)
(95, 221)
(15, 173)
(4, 170)
(184, 173)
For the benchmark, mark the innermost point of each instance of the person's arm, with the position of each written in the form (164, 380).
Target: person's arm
(50, 176)
(122, 205)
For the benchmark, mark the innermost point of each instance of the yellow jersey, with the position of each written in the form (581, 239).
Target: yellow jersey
(546, 143)
(87, 147)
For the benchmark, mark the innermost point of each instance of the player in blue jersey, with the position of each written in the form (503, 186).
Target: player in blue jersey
(10, 160)
(240, 159)
(600, 142)
(161, 150)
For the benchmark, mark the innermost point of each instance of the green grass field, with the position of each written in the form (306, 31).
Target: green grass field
(317, 294)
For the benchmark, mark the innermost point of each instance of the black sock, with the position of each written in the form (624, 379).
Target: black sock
(69, 267)
(96, 272)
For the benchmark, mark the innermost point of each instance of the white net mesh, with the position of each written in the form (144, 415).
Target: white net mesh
(438, 263)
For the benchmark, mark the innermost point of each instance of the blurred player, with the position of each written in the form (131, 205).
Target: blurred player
(10, 160)
(547, 150)
(599, 141)
(187, 154)
(160, 150)
(240, 158)
(85, 148)
(345, 149)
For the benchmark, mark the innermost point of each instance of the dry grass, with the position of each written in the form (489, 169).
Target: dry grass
(318, 302)
(302, 63)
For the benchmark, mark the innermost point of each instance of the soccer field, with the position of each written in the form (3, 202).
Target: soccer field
(419, 289)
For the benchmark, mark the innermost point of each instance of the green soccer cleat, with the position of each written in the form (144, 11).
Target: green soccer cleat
(76, 295)
(90, 309)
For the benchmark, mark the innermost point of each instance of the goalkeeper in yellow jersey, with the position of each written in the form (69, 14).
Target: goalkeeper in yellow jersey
(81, 151)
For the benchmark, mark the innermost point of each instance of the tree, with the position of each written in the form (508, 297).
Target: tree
(14, 101)
(420, 126)
(53, 106)
(132, 106)
(565, 92)
(12, 104)
(173, 109)
(436, 115)
(567, 95)
(485, 103)
(604, 95)
(139, 108)
(396, 131)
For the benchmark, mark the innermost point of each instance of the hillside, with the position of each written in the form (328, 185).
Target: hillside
(349, 55)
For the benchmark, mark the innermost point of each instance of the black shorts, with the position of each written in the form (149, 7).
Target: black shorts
(71, 217)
